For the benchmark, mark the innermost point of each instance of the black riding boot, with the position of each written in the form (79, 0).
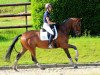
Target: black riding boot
(50, 40)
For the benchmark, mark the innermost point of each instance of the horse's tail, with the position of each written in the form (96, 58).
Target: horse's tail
(9, 51)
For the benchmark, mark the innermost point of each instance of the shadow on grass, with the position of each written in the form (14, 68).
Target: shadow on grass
(3, 39)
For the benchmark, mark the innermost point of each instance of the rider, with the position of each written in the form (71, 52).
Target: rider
(48, 22)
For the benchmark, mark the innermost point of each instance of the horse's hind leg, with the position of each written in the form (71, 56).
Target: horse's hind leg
(18, 57)
(33, 55)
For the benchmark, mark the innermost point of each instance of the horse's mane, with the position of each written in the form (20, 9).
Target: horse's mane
(65, 21)
(61, 24)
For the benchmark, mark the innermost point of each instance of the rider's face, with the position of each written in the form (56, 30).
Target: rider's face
(50, 8)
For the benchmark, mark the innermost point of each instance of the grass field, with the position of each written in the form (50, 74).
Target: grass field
(6, 36)
(12, 1)
(13, 9)
(88, 49)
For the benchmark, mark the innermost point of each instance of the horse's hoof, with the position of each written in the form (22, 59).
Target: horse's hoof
(14, 68)
(75, 66)
(76, 59)
(42, 68)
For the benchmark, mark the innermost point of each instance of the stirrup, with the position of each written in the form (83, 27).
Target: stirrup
(50, 46)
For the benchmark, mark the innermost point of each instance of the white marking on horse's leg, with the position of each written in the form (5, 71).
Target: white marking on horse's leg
(71, 61)
(77, 54)
(15, 65)
(76, 51)
(40, 66)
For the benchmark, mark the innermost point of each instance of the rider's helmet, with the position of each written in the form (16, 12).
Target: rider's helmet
(47, 5)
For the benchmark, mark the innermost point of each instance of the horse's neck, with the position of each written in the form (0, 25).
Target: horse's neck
(66, 27)
(69, 26)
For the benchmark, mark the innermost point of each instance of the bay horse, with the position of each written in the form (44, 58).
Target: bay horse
(31, 39)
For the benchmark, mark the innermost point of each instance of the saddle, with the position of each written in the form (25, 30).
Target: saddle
(44, 35)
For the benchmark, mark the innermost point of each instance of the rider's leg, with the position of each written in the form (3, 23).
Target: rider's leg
(50, 40)
(48, 28)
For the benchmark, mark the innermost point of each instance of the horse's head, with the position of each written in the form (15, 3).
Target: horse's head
(71, 24)
(76, 25)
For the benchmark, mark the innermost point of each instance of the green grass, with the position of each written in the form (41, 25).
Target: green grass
(7, 35)
(88, 49)
(12, 1)
(13, 9)
(14, 21)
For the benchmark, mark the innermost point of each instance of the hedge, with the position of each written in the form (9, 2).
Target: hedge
(88, 10)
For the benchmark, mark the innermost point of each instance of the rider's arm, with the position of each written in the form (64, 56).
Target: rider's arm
(49, 22)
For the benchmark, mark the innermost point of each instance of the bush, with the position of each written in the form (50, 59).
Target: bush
(63, 9)
(37, 12)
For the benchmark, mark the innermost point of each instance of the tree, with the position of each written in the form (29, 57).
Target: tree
(63, 9)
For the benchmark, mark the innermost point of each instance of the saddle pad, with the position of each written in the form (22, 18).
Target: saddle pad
(43, 35)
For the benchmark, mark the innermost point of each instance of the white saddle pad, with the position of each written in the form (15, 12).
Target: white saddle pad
(44, 35)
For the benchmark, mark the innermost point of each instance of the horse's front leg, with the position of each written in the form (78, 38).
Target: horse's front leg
(69, 56)
(75, 48)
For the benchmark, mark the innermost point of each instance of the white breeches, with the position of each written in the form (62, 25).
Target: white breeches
(47, 28)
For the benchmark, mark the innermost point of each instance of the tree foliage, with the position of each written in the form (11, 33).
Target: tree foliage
(88, 10)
